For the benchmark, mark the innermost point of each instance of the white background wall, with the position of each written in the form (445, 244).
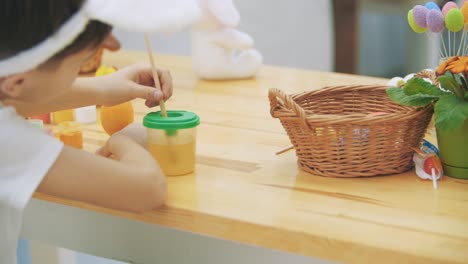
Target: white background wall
(295, 33)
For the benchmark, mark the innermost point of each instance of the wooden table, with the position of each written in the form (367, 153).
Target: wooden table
(243, 192)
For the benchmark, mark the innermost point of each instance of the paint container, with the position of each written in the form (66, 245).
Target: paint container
(86, 115)
(172, 140)
(71, 134)
(62, 116)
(44, 117)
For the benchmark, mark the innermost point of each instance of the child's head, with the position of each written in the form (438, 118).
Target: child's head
(25, 24)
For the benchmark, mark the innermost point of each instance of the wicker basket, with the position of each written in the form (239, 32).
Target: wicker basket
(350, 131)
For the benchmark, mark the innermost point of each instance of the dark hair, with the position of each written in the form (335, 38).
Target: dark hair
(26, 23)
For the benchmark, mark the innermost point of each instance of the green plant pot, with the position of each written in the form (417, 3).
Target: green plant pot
(453, 147)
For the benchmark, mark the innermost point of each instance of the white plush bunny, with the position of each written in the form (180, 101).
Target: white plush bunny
(219, 51)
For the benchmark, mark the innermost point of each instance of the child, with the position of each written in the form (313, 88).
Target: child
(43, 44)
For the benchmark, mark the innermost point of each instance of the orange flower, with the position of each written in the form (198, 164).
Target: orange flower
(454, 64)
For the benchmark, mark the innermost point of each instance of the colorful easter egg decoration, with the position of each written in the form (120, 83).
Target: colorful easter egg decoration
(396, 82)
(449, 6)
(432, 6)
(413, 24)
(454, 20)
(420, 15)
(464, 11)
(435, 21)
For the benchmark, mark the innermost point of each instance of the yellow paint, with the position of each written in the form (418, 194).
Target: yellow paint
(104, 70)
(175, 159)
(62, 116)
(70, 133)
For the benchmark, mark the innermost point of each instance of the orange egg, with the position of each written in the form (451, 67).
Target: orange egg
(115, 118)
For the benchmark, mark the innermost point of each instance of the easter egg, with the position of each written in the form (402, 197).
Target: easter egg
(435, 21)
(449, 6)
(464, 11)
(420, 15)
(412, 23)
(432, 6)
(396, 82)
(409, 77)
(115, 118)
(454, 20)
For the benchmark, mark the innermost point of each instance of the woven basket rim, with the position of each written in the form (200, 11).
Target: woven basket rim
(406, 112)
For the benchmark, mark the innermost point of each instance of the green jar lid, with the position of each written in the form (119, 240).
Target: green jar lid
(175, 119)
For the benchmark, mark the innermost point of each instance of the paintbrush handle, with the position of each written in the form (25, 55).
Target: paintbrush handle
(155, 74)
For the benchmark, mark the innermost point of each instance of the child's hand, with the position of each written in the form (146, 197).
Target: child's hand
(135, 81)
(136, 132)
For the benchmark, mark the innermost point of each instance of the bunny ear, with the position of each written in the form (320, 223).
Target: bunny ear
(224, 11)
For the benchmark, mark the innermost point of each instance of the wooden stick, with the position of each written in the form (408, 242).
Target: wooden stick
(434, 178)
(155, 74)
(285, 150)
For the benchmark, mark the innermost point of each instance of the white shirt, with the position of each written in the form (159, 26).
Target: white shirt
(26, 155)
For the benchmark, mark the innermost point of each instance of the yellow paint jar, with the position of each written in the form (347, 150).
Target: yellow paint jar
(71, 134)
(172, 140)
(62, 116)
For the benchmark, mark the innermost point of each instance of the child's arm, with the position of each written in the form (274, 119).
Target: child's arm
(130, 181)
(132, 82)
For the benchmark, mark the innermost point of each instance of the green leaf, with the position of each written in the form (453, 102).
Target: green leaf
(418, 85)
(450, 84)
(465, 84)
(398, 96)
(450, 112)
(448, 74)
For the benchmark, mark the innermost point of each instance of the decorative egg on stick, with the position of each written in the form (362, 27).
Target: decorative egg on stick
(436, 24)
(449, 6)
(454, 21)
(420, 15)
(415, 27)
(464, 11)
(435, 21)
(432, 20)
(432, 6)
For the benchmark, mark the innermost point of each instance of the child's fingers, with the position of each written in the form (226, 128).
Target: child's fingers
(144, 86)
(150, 94)
(135, 131)
(103, 151)
(165, 79)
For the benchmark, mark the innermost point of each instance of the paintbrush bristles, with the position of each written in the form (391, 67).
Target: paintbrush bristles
(155, 75)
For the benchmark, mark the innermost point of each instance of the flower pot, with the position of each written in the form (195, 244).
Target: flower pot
(453, 147)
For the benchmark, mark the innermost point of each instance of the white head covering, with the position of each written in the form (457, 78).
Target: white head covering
(135, 15)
